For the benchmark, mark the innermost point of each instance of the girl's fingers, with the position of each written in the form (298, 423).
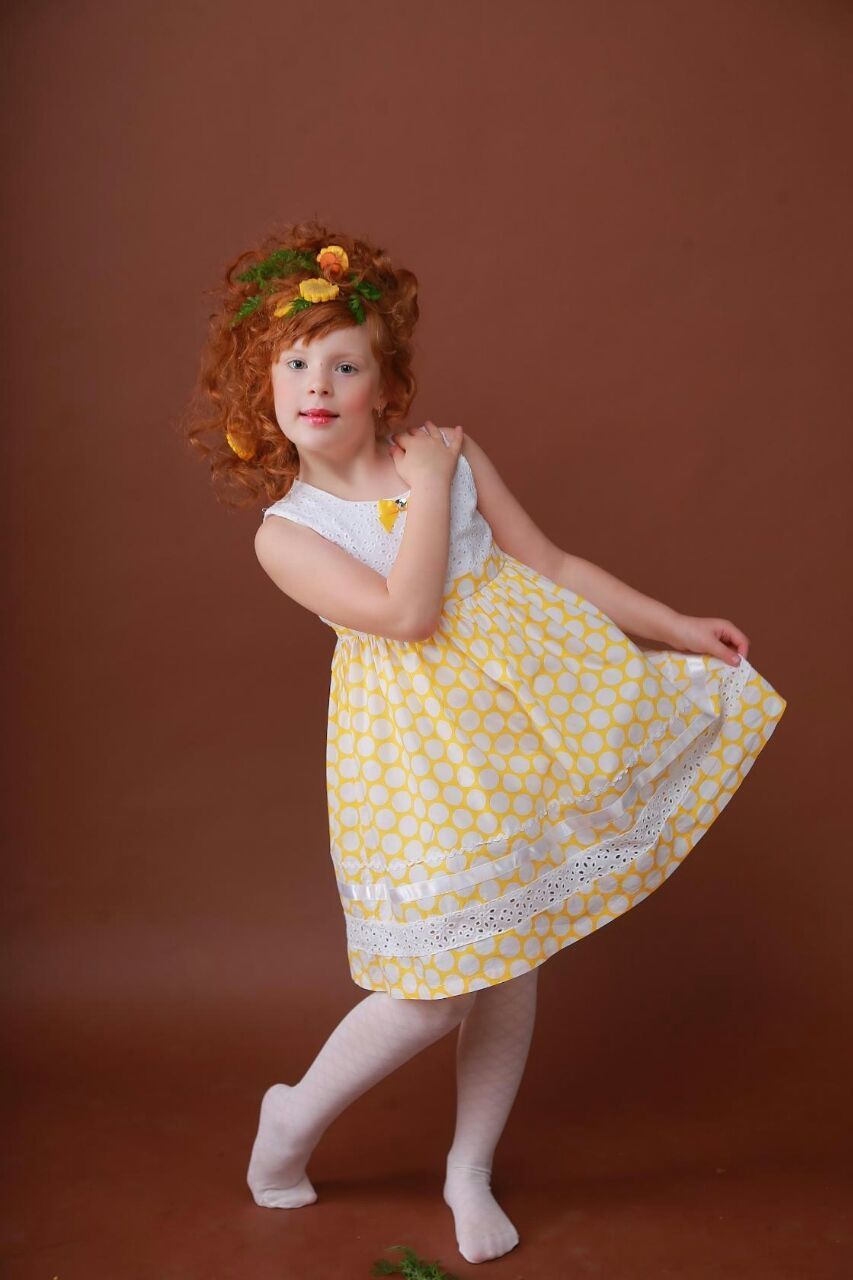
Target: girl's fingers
(733, 638)
(429, 428)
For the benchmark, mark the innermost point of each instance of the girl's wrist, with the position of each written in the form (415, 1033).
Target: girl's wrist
(425, 486)
(673, 628)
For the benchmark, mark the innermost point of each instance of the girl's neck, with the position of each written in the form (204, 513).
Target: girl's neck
(386, 474)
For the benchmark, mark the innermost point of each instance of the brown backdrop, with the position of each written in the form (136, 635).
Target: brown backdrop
(639, 212)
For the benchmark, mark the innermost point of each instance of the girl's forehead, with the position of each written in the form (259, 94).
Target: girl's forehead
(333, 344)
(331, 351)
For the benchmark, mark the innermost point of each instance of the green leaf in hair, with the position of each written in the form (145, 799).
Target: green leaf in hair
(250, 305)
(369, 290)
(286, 262)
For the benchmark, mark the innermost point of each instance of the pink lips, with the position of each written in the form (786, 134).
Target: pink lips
(320, 416)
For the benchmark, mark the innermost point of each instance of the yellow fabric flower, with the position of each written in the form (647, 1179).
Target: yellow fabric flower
(333, 261)
(388, 509)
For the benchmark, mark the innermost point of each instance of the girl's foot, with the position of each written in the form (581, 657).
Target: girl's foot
(483, 1231)
(276, 1173)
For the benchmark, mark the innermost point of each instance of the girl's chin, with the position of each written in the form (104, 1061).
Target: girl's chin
(319, 424)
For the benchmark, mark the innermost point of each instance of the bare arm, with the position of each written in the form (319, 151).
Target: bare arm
(632, 612)
(328, 581)
(516, 533)
(419, 571)
(416, 581)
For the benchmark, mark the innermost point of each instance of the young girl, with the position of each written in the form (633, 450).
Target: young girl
(507, 769)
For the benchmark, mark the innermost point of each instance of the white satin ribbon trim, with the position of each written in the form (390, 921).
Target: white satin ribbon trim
(698, 681)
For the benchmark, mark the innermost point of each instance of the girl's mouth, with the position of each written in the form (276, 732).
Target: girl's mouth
(319, 418)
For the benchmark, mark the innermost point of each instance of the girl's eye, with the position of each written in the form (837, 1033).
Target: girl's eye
(301, 361)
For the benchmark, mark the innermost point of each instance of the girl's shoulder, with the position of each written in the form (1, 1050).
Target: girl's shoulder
(284, 506)
(301, 504)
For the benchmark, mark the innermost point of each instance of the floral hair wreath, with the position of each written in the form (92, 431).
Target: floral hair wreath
(332, 261)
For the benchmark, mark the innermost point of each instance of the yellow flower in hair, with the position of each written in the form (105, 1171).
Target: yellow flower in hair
(333, 261)
(243, 451)
(317, 289)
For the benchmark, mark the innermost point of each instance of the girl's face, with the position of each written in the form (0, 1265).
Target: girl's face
(338, 375)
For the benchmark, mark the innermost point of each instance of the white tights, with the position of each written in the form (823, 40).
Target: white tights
(378, 1035)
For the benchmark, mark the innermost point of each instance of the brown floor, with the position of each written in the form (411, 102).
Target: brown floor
(129, 1156)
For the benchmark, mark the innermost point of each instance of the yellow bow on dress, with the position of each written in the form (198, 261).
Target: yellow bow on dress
(389, 509)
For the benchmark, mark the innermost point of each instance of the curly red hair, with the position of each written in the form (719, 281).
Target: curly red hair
(233, 391)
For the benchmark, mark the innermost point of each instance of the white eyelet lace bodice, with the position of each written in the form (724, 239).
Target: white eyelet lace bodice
(356, 526)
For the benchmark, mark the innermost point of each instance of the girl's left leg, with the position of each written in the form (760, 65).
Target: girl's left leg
(492, 1048)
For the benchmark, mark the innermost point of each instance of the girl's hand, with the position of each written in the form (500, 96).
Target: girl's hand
(420, 453)
(715, 636)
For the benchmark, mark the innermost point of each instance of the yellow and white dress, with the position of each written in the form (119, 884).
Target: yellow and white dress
(522, 777)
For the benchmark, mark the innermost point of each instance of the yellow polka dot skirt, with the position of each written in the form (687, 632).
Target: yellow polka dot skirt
(519, 779)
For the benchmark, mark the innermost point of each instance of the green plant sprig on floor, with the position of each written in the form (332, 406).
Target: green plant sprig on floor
(410, 1266)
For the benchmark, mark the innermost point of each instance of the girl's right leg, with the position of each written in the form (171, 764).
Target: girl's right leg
(375, 1037)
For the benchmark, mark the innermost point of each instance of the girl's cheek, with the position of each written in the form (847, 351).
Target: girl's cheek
(360, 398)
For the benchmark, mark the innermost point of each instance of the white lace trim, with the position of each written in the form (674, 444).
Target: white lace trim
(470, 924)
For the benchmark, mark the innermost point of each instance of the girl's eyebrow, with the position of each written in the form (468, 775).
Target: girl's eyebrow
(292, 351)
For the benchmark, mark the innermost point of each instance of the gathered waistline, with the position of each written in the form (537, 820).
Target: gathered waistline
(461, 588)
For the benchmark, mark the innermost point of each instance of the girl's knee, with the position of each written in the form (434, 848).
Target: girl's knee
(454, 1008)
